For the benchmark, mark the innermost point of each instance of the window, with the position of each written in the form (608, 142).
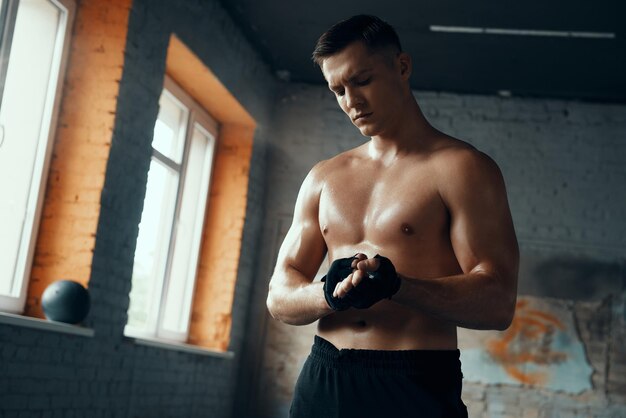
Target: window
(170, 231)
(33, 40)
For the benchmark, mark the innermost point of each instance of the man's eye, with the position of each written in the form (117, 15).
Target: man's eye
(364, 82)
(339, 92)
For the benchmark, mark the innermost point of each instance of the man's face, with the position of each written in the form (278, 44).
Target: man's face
(368, 86)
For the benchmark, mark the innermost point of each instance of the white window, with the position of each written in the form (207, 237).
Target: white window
(170, 232)
(34, 38)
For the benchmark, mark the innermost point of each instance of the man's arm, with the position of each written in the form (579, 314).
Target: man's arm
(483, 240)
(293, 298)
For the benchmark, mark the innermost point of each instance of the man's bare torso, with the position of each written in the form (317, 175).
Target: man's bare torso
(395, 211)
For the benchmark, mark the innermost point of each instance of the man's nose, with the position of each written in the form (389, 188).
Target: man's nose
(353, 99)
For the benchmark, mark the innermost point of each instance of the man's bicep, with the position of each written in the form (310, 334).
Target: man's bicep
(304, 248)
(481, 230)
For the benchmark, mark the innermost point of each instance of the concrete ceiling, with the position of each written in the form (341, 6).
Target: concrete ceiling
(565, 65)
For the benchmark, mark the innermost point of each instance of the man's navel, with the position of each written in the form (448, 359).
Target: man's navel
(360, 324)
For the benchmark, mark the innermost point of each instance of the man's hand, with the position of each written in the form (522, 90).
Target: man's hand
(339, 270)
(371, 281)
(357, 275)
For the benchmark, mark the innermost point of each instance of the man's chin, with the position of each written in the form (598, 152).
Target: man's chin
(367, 131)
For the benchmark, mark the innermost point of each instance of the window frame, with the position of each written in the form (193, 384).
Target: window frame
(8, 16)
(15, 303)
(196, 115)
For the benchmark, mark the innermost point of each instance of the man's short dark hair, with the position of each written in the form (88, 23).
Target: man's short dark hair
(374, 32)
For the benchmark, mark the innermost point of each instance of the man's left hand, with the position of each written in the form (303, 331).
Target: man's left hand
(373, 280)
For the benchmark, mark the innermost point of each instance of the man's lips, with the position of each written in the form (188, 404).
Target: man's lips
(363, 115)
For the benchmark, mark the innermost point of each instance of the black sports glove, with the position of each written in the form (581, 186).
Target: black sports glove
(379, 284)
(339, 270)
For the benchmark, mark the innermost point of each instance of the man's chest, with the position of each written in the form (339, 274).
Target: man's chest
(381, 206)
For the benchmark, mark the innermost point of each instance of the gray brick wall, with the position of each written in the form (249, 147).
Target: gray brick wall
(564, 163)
(47, 374)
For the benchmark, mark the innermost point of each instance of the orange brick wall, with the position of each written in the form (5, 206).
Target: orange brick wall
(219, 257)
(212, 306)
(85, 126)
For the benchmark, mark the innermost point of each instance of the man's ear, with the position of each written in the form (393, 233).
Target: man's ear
(406, 66)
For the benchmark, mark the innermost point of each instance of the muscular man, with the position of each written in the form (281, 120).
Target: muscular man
(418, 229)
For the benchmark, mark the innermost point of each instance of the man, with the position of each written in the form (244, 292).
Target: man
(419, 232)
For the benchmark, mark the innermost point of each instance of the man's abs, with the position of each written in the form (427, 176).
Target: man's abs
(387, 326)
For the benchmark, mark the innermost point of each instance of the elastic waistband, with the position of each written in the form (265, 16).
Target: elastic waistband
(415, 361)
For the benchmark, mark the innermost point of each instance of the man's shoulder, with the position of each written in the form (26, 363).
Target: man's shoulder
(445, 147)
(322, 169)
(460, 167)
(456, 156)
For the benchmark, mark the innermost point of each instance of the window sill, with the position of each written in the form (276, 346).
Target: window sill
(187, 348)
(44, 324)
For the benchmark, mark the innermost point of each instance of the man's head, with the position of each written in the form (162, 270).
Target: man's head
(377, 35)
(363, 63)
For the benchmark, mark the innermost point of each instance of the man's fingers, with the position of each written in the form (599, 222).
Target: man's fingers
(359, 257)
(357, 277)
(349, 283)
(371, 264)
(343, 287)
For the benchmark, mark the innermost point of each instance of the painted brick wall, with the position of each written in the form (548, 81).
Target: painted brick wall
(564, 163)
(47, 374)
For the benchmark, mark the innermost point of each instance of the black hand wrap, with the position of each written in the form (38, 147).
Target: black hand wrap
(377, 285)
(380, 284)
(339, 270)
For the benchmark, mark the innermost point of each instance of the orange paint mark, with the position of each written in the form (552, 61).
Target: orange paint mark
(546, 317)
(527, 341)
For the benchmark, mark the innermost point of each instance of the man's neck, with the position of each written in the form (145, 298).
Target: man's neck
(408, 135)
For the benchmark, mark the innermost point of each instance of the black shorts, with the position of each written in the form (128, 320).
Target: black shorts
(350, 383)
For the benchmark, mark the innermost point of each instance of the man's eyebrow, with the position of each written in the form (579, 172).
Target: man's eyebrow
(358, 73)
(352, 77)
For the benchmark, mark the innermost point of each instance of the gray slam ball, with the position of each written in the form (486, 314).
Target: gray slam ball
(65, 301)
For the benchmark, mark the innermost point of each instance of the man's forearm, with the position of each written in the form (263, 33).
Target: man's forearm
(300, 305)
(474, 300)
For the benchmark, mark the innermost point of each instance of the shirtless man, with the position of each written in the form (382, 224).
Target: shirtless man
(432, 206)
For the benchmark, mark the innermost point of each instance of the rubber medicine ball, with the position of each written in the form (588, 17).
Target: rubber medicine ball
(65, 301)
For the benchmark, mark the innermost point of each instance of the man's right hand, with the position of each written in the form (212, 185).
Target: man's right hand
(339, 270)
